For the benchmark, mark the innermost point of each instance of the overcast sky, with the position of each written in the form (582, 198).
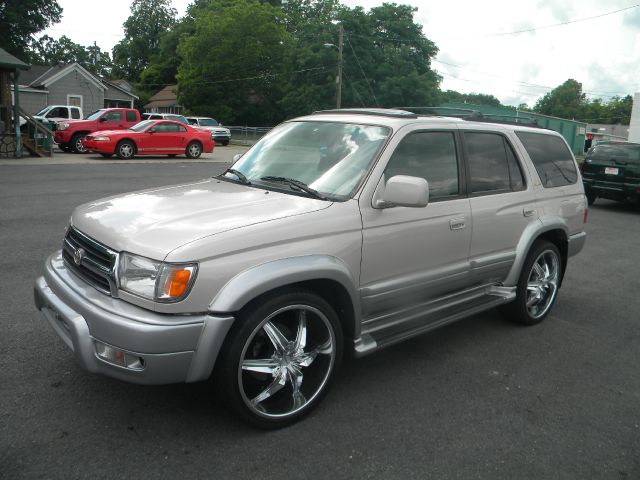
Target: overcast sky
(477, 50)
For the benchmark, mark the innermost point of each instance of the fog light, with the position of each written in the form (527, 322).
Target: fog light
(118, 357)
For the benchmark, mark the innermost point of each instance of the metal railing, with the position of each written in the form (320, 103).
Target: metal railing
(246, 135)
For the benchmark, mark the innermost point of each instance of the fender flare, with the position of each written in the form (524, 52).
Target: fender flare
(530, 234)
(255, 281)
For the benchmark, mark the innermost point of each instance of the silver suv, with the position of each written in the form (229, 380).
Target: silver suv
(340, 232)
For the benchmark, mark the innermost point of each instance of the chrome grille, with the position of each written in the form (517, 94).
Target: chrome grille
(96, 263)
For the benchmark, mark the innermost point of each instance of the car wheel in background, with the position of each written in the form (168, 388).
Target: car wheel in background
(125, 149)
(280, 357)
(194, 150)
(538, 285)
(225, 143)
(76, 143)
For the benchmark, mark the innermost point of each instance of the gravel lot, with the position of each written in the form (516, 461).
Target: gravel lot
(478, 399)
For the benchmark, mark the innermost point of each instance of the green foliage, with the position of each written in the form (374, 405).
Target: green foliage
(148, 21)
(475, 98)
(49, 51)
(19, 19)
(568, 101)
(564, 101)
(231, 66)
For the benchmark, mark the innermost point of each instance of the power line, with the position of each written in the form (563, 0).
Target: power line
(561, 23)
(255, 77)
(363, 74)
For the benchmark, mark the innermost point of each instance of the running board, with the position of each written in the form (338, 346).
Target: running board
(431, 319)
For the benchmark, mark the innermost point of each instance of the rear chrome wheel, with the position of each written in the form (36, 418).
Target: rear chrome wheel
(194, 149)
(542, 285)
(282, 358)
(538, 285)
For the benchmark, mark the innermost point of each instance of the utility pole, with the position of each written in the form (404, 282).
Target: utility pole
(339, 77)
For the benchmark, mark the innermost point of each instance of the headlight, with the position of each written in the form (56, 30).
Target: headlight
(153, 280)
(101, 139)
(62, 126)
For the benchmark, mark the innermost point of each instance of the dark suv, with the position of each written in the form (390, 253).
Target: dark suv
(612, 170)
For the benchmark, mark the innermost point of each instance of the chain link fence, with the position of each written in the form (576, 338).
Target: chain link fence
(246, 135)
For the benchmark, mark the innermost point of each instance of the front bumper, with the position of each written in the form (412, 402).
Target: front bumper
(174, 348)
(62, 136)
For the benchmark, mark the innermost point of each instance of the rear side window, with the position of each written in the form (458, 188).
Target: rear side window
(551, 157)
(430, 155)
(75, 113)
(492, 163)
(131, 116)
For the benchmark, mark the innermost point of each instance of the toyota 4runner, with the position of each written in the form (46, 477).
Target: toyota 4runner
(341, 231)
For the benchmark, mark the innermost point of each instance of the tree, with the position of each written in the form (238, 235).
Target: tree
(475, 98)
(49, 51)
(20, 19)
(148, 21)
(232, 65)
(564, 101)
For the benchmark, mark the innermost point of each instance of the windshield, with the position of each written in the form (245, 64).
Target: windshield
(42, 112)
(208, 122)
(138, 127)
(95, 115)
(331, 158)
(621, 152)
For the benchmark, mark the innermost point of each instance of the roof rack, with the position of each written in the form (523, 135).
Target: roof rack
(472, 115)
(384, 112)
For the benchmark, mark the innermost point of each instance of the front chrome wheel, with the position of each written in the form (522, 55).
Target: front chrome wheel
(542, 285)
(287, 361)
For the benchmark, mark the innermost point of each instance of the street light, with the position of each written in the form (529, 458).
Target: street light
(339, 76)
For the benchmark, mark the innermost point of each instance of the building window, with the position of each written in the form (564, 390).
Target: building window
(74, 100)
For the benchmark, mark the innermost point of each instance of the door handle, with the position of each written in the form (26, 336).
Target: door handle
(457, 224)
(529, 212)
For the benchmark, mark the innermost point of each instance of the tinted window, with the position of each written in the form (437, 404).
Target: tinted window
(430, 155)
(608, 152)
(58, 112)
(551, 157)
(487, 162)
(193, 121)
(169, 127)
(517, 180)
(115, 116)
(131, 116)
(75, 113)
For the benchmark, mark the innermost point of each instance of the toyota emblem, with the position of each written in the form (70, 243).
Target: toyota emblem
(78, 256)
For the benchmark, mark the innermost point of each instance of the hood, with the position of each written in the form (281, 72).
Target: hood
(154, 222)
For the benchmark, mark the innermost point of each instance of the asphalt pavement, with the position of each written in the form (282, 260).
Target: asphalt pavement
(482, 398)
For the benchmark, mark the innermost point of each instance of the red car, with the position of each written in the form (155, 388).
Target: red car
(151, 137)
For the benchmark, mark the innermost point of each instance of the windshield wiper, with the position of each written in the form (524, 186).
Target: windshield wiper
(244, 180)
(295, 184)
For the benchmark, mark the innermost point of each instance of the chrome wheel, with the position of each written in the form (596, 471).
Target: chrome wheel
(286, 361)
(542, 284)
(78, 147)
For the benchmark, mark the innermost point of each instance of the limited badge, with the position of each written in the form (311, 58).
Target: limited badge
(78, 256)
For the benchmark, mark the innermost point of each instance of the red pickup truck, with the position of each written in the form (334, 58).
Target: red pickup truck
(69, 133)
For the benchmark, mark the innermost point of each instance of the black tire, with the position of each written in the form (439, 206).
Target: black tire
(107, 155)
(193, 150)
(64, 147)
(544, 296)
(125, 149)
(76, 143)
(591, 197)
(225, 143)
(269, 392)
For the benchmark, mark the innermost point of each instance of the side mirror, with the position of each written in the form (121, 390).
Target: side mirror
(237, 157)
(404, 191)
